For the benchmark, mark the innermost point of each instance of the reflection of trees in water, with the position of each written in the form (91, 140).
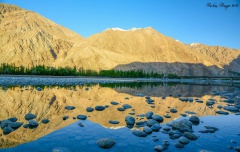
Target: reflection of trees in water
(159, 89)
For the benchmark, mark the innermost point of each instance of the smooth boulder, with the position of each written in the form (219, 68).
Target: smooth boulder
(106, 143)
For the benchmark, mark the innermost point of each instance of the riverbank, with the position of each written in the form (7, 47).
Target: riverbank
(22, 80)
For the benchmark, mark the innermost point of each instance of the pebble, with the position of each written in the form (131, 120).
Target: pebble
(139, 133)
(13, 119)
(190, 136)
(82, 117)
(183, 140)
(99, 108)
(89, 109)
(69, 107)
(80, 124)
(29, 116)
(114, 103)
(147, 129)
(130, 120)
(178, 145)
(33, 123)
(158, 118)
(113, 122)
(106, 143)
(194, 119)
(45, 121)
(126, 106)
(149, 114)
(237, 148)
(173, 110)
(65, 117)
(159, 148)
(120, 109)
(151, 122)
(155, 127)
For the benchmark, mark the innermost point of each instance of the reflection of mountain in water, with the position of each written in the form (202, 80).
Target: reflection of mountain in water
(160, 90)
(50, 103)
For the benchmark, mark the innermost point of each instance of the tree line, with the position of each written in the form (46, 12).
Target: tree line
(74, 71)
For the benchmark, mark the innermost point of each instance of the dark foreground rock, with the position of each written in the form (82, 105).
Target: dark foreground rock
(194, 119)
(178, 145)
(190, 136)
(106, 143)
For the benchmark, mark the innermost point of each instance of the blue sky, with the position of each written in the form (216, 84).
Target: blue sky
(185, 20)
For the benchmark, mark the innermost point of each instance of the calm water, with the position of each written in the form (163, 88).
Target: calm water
(68, 136)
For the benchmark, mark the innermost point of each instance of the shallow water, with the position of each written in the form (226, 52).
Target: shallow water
(68, 136)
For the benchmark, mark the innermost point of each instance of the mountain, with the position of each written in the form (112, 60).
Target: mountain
(29, 39)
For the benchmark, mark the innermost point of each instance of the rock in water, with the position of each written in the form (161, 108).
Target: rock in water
(183, 140)
(126, 106)
(178, 145)
(82, 117)
(147, 129)
(7, 130)
(130, 120)
(155, 127)
(99, 108)
(113, 122)
(69, 107)
(158, 118)
(45, 121)
(65, 117)
(139, 133)
(173, 110)
(190, 136)
(80, 124)
(159, 148)
(194, 119)
(15, 125)
(105, 143)
(13, 119)
(89, 109)
(114, 103)
(149, 114)
(30, 116)
(151, 122)
(33, 123)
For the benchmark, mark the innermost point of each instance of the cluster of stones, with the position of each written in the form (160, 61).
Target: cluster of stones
(11, 124)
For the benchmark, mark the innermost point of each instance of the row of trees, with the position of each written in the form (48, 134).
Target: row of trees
(68, 71)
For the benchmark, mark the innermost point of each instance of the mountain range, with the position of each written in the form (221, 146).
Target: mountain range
(30, 39)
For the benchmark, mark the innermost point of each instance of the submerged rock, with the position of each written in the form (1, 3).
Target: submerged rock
(113, 122)
(80, 124)
(99, 108)
(69, 107)
(149, 114)
(183, 140)
(130, 120)
(158, 118)
(155, 127)
(45, 121)
(151, 122)
(194, 119)
(139, 133)
(7, 130)
(173, 110)
(126, 106)
(190, 136)
(89, 109)
(106, 143)
(65, 117)
(30, 116)
(181, 126)
(159, 148)
(114, 103)
(147, 129)
(178, 145)
(33, 123)
(13, 119)
(82, 117)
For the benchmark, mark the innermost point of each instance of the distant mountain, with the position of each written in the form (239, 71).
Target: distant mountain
(30, 39)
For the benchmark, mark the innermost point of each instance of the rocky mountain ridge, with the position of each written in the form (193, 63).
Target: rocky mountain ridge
(29, 39)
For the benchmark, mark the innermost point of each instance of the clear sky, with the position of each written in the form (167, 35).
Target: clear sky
(185, 20)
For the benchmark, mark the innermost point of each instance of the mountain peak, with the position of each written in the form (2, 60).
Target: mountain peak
(132, 29)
